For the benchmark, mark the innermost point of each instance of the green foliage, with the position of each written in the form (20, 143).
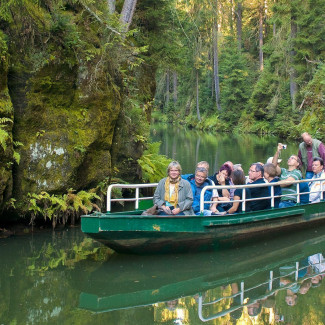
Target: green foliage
(5, 135)
(59, 208)
(313, 105)
(235, 82)
(152, 164)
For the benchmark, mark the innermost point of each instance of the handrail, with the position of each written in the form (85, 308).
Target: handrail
(272, 196)
(137, 197)
(244, 290)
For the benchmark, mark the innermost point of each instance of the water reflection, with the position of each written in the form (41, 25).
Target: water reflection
(261, 283)
(65, 278)
(191, 146)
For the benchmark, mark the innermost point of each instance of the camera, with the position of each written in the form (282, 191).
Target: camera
(284, 146)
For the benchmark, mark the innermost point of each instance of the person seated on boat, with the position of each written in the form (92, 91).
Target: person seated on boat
(238, 178)
(222, 177)
(291, 174)
(256, 173)
(173, 195)
(203, 164)
(317, 186)
(198, 182)
(238, 167)
(271, 176)
(270, 161)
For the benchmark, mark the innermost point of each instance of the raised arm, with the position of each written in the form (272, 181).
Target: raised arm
(276, 157)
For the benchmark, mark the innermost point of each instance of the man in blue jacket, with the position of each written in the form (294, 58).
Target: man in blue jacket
(198, 181)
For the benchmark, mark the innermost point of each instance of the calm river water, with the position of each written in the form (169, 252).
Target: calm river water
(63, 277)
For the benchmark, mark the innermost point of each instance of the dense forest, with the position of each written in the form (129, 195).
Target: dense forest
(80, 81)
(249, 66)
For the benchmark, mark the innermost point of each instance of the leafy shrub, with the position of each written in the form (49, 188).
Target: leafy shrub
(153, 164)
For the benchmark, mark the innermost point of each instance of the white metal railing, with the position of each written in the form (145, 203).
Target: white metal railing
(272, 196)
(243, 291)
(137, 197)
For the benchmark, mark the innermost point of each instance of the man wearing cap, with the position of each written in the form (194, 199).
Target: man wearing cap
(309, 149)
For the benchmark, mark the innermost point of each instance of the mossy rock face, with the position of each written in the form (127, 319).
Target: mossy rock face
(6, 149)
(67, 134)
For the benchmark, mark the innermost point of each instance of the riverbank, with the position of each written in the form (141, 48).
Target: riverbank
(284, 127)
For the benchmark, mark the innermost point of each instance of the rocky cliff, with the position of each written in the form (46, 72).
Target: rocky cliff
(77, 94)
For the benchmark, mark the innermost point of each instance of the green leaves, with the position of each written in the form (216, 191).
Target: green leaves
(152, 164)
(59, 208)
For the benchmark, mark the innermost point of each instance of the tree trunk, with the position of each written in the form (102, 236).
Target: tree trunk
(260, 37)
(216, 63)
(197, 95)
(111, 6)
(239, 15)
(127, 13)
(231, 17)
(175, 87)
(167, 90)
(292, 72)
(188, 105)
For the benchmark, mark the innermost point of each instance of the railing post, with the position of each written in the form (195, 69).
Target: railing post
(137, 198)
(242, 289)
(271, 281)
(202, 200)
(272, 196)
(297, 271)
(244, 200)
(298, 193)
(108, 198)
(200, 308)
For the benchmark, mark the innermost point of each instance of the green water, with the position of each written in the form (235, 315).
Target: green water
(63, 277)
(190, 146)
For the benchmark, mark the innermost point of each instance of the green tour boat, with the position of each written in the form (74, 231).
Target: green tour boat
(132, 232)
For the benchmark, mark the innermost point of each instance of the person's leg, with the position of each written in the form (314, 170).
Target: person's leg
(286, 204)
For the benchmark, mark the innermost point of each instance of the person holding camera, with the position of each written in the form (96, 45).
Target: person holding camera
(291, 174)
(308, 150)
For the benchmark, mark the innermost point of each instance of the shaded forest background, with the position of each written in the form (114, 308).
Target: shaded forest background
(246, 66)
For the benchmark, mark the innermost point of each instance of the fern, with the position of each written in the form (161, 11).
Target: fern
(153, 164)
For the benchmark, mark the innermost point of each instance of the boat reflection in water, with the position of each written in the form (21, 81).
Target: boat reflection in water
(263, 282)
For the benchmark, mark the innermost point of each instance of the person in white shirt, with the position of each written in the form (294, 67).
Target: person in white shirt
(318, 186)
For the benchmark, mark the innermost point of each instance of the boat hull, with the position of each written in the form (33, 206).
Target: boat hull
(132, 233)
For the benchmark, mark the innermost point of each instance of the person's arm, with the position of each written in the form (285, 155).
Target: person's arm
(295, 176)
(187, 203)
(284, 181)
(276, 157)
(159, 192)
(222, 181)
(235, 205)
